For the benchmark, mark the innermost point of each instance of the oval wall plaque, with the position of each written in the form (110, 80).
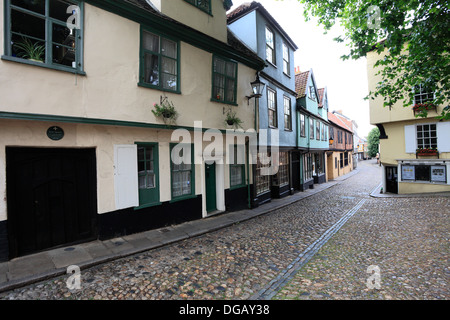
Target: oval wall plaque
(55, 133)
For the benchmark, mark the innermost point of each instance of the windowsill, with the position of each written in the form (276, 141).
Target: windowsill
(224, 102)
(147, 205)
(147, 85)
(272, 127)
(43, 65)
(288, 130)
(181, 198)
(424, 182)
(272, 64)
(238, 187)
(287, 75)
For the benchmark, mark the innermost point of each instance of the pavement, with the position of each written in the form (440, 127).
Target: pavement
(45, 265)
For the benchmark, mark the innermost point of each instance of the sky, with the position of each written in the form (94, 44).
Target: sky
(346, 81)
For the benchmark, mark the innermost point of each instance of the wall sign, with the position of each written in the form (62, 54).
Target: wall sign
(408, 173)
(438, 173)
(55, 133)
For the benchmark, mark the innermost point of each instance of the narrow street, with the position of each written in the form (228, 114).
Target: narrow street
(407, 238)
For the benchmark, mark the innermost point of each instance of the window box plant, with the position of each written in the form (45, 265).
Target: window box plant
(426, 151)
(166, 110)
(232, 120)
(29, 50)
(422, 108)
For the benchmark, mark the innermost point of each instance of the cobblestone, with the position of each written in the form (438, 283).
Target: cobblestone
(408, 239)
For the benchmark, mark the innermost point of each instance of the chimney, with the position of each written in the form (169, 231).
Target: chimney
(297, 70)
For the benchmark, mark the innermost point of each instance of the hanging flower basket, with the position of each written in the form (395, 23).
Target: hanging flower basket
(166, 110)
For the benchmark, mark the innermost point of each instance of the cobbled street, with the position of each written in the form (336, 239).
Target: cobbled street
(406, 238)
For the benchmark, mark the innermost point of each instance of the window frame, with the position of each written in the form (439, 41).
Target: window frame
(318, 124)
(214, 98)
(282, 177)
(235, 164)
(272, 48)
(192, 194)
(302, 125)
(262, 180)
(288, 115)
(48, 21)
(311, 129)
(419, 96)
(142, 52)
(155, 146)
(286, 60)
(195, 3)
(274, 110)
(422, 144)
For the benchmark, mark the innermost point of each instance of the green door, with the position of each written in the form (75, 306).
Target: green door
(210, 176)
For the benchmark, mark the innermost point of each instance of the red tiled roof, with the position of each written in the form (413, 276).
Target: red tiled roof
(340, 121)
(301, 80)
(321, 92)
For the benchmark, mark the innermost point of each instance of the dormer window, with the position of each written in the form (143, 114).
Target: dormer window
(312, 93)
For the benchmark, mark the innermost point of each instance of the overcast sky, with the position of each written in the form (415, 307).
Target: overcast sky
(346, 81)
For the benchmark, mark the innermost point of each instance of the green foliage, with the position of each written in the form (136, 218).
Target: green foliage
(166, 110)
(373, 141)
(416, 34)
(29, 50)
(232, 120)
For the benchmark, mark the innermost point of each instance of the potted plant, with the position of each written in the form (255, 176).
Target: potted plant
(29, 50)
(426, 151)
(166, 110)
(232, 120)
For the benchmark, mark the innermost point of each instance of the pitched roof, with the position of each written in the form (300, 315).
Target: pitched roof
(340, 121)
(301, 81)
(248, 7)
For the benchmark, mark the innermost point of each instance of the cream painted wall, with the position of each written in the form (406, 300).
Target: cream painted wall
(332, 171)
(103, 139)
(110, 90)
(393, 148)
(180, 10)
(380, 114)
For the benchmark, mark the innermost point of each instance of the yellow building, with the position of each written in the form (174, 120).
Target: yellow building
(406, 169)
(82, 155)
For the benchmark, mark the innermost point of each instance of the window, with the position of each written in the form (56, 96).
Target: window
(272, 106)
(270, 47)
(237, 166)
(159, 62)
(308, 166)
(282, 176)
(335, 162)
(204, 5)
(286, 60)
(224, 82)
(424, 173)
(312, 93)
(262, 181)
(331, 133)
(426, 136)
(182, 172)
(287, 114)
(345, 158)
(311, 128)
(318, 123)
(148, 180)
(37, 33)
(341, 160)
(422, 94)
(302, 125)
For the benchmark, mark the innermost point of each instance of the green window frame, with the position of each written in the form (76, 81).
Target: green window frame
(182, 176)
(204, 5)
(148, 173)
(159, 66)
(224, 80)
(237, 167)
(37, 34)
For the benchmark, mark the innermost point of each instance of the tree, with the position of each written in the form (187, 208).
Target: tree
(421, 27)
(373, 141)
